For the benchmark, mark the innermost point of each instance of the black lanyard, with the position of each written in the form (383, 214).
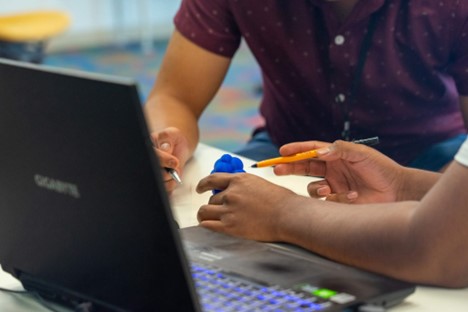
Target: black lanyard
(357, 78)
(365, 45)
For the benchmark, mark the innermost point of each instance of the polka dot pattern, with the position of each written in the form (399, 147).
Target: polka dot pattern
(415, 69)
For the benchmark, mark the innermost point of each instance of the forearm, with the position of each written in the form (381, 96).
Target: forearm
(383, 238)
(375, 240)
(187, 81)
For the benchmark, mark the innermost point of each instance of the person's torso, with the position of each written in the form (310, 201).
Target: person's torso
(309, 59)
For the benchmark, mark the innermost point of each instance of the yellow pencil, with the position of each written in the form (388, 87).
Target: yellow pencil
(305, 155)
(285, 159)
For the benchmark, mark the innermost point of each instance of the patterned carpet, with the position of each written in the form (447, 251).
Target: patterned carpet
(230, 118)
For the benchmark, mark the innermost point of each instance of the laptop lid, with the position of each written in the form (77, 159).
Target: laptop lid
(84, 215)
(83, 209)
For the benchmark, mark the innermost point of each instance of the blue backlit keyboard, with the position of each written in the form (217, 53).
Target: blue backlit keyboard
(221, 292)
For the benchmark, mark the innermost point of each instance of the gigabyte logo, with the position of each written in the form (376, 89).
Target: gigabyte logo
(58, 186)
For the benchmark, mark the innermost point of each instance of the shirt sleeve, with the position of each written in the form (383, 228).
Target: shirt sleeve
(458, 67)
(209, 24)
(462, 155)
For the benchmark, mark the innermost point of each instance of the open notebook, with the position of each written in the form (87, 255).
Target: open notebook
(84, 216)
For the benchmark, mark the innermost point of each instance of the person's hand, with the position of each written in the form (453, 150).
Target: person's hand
(353, 173)
(248, 206)
(172, 149)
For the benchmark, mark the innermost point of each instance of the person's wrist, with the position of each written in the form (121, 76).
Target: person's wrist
(403, 183)
(415, 183)
(289, 214)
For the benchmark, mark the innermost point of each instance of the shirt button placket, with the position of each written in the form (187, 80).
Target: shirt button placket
(340, 98)
(339, 40)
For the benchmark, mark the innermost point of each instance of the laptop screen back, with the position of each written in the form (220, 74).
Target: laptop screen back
(78, 180)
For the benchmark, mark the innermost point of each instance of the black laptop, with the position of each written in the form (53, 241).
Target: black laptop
(85, 219)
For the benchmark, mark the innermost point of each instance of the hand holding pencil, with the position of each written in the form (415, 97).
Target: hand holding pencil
(350, 172)
(305, 155)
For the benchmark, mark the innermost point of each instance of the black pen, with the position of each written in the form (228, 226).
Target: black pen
(369, 141)
(175, 176)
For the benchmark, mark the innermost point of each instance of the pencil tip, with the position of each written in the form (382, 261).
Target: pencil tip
(254, 166)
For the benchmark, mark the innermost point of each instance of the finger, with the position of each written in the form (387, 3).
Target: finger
(169, 183)
(210, 212)
(170, 186)
(309, 168)
(319, 189)
(166, 176)
(216, 199)
(167, 160)
(298, 147)
(213, 225)
(347, 198)
(348, 151)
(215, 181)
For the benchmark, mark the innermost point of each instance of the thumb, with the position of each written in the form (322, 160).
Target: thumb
(163, 141)
(344, 150)
(166, 147)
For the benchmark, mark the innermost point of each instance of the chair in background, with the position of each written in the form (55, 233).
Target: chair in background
(24, 36)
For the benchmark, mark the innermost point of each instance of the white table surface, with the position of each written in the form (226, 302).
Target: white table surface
(186, 201)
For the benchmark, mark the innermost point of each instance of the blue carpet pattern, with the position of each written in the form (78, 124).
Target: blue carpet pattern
(230, 118)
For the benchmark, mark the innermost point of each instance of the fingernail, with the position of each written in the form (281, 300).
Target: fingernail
(322, 191)
(352, 195)
(165, 146)
(324, 150)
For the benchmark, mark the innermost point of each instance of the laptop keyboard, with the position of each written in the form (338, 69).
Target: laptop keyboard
(222, 292)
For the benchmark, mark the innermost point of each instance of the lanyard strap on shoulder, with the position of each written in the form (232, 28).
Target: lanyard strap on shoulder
(357, 78)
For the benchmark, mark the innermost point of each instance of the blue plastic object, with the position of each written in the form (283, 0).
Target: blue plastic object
(229, 164)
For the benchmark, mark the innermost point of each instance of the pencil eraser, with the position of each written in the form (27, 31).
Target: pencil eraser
(229, 164)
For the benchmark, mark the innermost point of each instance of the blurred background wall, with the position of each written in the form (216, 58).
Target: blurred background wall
(129, 38)
(99, 22)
